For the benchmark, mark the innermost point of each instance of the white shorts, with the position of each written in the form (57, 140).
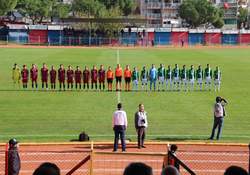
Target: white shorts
(208, 80)
(144, 81)
(216, 81)
(191, 81)
(199, 80)
(161, 79)
(185, 81)
(135, 82)
(168, 81)
(176, 79)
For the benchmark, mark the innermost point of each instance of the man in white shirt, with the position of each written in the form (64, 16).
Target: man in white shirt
(141, 123)
(119, 124)
(218, 118)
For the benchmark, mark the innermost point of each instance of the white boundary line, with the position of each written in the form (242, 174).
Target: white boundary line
(118, 62)
(130, 135)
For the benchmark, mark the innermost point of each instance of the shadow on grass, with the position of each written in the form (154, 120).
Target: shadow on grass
(179, 139)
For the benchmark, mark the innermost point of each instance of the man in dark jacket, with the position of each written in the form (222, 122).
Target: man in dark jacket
(14, 163)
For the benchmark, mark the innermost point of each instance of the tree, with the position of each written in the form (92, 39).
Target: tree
(36, 10)
(60, 10)
(200, 12)
(242, 16)
(89, 8)
(6, 6)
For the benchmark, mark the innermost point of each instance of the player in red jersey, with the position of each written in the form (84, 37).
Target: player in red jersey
(44, 75)
(33, 76)
(52, 75)
(61, 77)
(25, 76)
(101, 77)
(70, 77)
(78, 77)
(86, 77)
(94, 75)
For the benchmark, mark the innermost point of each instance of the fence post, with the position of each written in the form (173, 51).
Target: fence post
(91, 158)
(249, 158)
(7, 39)
(6, 158)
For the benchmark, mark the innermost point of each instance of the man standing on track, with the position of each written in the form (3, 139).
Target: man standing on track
(118, 77)
(61, 77)
(44, 75)
(141, 123)
(34, 76)
(94, 76)
(78, 77)
(119, 124)
(152, 77)
(127, 78)
(16, 75)
(52, 75)
(70, 77)
(14, 162)
(110, 77)
(86, 77)
(25, 76)
(161, 77)
(101, 77)
(144, 78)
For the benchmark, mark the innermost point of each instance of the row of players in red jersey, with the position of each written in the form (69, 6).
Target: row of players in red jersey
(70, 75)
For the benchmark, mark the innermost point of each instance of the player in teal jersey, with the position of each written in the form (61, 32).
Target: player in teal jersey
(184, 78)
(161, 77)
(208, 77)
(199, 77)
(144, 78)
(191, 77)
(135, 78)
(169, 78)
(217, 79)
(176, 77)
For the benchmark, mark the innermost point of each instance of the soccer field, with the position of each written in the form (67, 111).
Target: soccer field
(61, 116)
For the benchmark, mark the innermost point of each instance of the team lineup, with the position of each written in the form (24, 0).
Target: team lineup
(160, 79)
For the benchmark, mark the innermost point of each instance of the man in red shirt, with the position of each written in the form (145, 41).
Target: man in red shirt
(61, 77)
(52, 74)
(86, 77)
(70, 77)
(25, 76)
(78, 77)
(94, 75)
(101, 76)
(45, 74)
(33, 76)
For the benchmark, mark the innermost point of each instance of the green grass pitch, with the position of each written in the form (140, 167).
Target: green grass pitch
(60, 116)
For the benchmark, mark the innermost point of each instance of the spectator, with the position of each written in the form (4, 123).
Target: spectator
(170, 170)
(235, 170)
(14, 163)
(47, 168)
(138, 168)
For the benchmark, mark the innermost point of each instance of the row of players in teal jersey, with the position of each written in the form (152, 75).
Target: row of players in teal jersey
(181, 79)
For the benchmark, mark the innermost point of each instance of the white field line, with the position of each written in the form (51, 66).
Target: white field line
(108, 135)
(118, 62)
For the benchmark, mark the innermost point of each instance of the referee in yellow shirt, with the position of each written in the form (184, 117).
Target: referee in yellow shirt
(16, 75)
